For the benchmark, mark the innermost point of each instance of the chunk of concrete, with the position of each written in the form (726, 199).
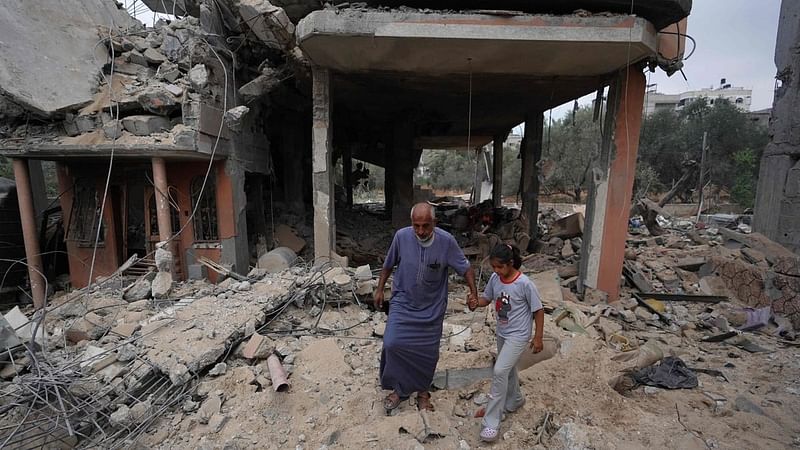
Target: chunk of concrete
(153, 56)
(113, 129)
(198, 77)
(268, 22)
(145, 125)
(277, 259)
(163, 259)
(363, 273)
(568, 227)
(135, 57)
(162, 285)
(8, 336)
(139, 291)
(259, 87)
(234, 117)
(258, 347)
(23, 326)
(158, 100)
(49, 59)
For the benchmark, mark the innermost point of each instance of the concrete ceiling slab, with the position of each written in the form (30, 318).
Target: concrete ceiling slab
(50, 52)
(440, 44)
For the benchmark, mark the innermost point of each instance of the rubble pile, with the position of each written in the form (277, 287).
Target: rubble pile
(290, 359)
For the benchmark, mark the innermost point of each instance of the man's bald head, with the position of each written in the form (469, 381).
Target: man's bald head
(423, 219)
(423, 211)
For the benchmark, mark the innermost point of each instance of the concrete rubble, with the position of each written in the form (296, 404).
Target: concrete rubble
(216, 348)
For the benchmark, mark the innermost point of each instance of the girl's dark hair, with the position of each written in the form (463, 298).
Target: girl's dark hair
(507, 253)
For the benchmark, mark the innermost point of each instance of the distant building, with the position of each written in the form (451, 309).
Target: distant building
(760, 117)
(738, 96)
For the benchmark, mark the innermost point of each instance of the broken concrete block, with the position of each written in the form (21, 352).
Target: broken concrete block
(163, 259)
(145, 125)
(174, 89)
(113, 129)
(258, 347)
(154, 40)
(217, 422)
(127, 353)
(126, 330)
(234, 117)
(365, 287)
(219, 369)
(198, 77)
(154, 56)
(268, 22)
(169, 72)
(277, 259)
(121, 418)
(22, 326)
(139, 291)
(363, 273)
(8, 336)
(212, 405)
(260, 86)
(135, 57)
(568, 227)
(139, 43)
(162, 285)
(569, 271)
(158, 100)
(85, 123)
(594, 296)
(566, 250)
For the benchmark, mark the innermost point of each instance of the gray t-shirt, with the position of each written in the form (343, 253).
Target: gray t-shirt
(514, 303)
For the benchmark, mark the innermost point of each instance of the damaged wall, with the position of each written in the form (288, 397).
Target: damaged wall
(777, 210)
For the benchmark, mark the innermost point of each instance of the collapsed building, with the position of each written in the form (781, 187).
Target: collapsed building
(185, 132)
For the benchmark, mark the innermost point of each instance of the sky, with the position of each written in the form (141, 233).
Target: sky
(735, 41)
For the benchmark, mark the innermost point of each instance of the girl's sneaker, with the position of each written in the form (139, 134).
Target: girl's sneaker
(489, 434)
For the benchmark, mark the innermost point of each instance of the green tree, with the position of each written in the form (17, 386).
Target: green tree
(743, 191)
(572, 142)
(669, 138)
(6, 171)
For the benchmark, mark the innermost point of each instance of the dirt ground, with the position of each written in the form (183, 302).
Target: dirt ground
(335, 401)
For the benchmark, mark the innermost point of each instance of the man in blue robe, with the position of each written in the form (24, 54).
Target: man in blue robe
(422, 254)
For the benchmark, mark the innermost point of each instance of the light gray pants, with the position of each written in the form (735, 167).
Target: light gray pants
(504, 394)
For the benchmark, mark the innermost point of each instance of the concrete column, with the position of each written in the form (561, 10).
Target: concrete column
(322, 179)
(38, 188)
(531, 154)
(609, 202)
(347, 172)
(27, 215)
(497, 172)
(402, 159)
(162, 201)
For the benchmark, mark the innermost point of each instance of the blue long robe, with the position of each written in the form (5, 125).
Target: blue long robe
(418, 304)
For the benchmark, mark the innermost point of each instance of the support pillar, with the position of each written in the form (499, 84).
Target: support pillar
(347, 172)
(531, 154)
(162, 201)
(497, 172)
(609, 202)
(27, 215)
(322, 179)
(402, 159)
(38, 189)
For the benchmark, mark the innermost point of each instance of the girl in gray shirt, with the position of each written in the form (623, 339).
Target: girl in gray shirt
(515, 299)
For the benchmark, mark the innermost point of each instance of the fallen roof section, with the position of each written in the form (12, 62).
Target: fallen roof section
(52, 54)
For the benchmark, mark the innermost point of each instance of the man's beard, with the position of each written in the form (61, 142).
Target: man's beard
(425, 242)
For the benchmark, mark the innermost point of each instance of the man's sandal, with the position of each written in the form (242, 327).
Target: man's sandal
(424, 402)
(391, 402)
